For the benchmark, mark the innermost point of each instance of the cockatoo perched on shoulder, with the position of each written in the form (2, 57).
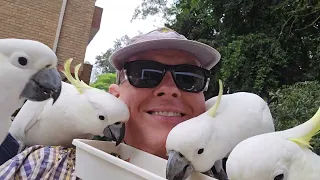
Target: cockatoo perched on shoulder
(281, 155)
(27, 71)
(80, 112)
(197, 144)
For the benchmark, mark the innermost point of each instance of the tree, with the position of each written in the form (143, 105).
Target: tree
(104, 81)
(230, 24)
(294, 104)
(152, 7)
(254, 63)
(102, 61)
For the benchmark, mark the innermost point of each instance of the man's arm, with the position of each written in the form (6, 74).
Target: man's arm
(8, 149)
(41, 162)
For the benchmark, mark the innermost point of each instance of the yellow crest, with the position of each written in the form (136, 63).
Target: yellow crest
(305, 140)
(213, 110)
(80, 85)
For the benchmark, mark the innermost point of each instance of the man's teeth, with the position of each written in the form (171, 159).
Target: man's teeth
(163, 113)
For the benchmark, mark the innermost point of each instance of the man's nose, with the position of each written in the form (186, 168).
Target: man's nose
(167, 87)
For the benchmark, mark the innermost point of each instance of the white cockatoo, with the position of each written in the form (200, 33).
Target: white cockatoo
(198, 143)
(80, 112)
(281, 155)
(27, 71)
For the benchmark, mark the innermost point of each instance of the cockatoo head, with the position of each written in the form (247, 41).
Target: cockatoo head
(263, 157)
(31, 65)
(272, 156)
(109, 112)
(188, 144)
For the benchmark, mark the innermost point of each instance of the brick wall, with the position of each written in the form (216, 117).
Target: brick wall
(30, 19)
(75, 31)
(86, 73)
(38, 20)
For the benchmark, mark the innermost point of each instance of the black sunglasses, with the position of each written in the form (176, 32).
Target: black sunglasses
(149, 74)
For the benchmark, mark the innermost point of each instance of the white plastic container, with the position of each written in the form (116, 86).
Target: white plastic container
(94, 161)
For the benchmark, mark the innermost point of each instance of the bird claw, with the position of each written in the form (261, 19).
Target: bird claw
(222, 175)
(209, 173)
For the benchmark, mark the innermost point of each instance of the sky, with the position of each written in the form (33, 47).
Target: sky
(115, 23)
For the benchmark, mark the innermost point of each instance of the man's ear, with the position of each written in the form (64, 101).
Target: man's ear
(114, 89)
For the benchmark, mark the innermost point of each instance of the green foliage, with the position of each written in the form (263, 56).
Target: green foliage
(254, 63)
(293, 105)
(104, 81)
(298, 15)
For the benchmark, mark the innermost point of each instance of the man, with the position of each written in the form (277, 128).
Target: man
(164, 100)
(161, 76)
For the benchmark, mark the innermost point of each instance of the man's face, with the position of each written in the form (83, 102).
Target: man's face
(151, 108)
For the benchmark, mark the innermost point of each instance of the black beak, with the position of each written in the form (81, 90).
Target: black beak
(43, 85)
(115, 132)
(178, 167)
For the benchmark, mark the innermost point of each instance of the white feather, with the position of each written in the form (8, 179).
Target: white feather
(13, 78)
(74, 115)
(239, 116)
(267, 155)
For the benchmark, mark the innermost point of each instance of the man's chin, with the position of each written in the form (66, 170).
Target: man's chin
(153, 145)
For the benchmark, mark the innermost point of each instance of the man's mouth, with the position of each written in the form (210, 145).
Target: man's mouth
(166, 113)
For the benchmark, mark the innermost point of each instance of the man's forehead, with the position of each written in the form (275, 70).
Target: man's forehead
(171, 55)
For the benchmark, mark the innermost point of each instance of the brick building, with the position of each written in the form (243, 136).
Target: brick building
(66, 26)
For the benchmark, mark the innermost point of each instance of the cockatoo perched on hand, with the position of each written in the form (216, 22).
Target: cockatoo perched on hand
(27, 71)
(197, 144)
(281, 155)
(80, 112)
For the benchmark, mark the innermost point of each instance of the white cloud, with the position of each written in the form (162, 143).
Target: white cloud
(115, 23)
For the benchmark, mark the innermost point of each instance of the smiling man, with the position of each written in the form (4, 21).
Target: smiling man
(158, 100)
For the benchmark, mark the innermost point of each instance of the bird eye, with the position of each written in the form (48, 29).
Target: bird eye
(200, 151)
(180, 155)
(117, 123)
(279, 177)
(23, 61)
(101, 117)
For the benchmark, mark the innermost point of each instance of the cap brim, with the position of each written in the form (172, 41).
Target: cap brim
(207, 55)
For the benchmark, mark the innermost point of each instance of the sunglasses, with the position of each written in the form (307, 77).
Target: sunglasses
(149, 74)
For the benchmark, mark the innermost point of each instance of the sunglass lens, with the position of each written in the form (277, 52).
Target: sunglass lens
(190, 78)
(144, 74)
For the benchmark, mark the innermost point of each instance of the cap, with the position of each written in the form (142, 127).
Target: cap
(165, 38)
